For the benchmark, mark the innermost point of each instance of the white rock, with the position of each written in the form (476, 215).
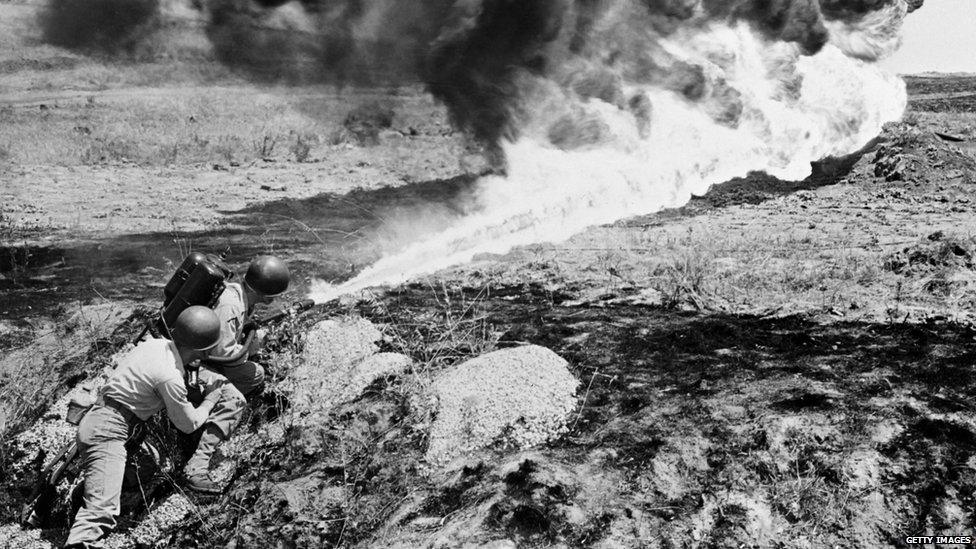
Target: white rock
(340, 360)
(521, 396)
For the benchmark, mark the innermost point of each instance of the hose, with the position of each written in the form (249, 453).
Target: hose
(251, 329)
(236, 357)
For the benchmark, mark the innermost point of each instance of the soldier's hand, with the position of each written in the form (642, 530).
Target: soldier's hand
(258, 341)
(194, 393)
(214, 390)
(214, 385)
(215, 395)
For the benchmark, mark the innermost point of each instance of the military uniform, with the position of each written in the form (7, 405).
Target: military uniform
(148, 379)
(233, 312)
(246, 378)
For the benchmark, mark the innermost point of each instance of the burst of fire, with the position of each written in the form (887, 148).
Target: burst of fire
(760, 104)
(597, 109)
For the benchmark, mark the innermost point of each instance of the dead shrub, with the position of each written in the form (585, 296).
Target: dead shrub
(226, 147)
(936, 251)
(103, 150)
(340, 136)
(945, 265)
(906, 136)
(265, 146)
(301, 147)
(367, 120)
(683, 280)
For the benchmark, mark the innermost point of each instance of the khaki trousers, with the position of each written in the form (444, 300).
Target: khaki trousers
(247, 376)
(224, 416)
(102, 435)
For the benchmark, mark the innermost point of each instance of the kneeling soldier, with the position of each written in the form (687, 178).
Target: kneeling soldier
(266, 277)
(148, 379)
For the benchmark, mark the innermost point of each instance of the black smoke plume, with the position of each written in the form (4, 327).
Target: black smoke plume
(493, 52)
(367, 42)
(475, 66)
(107, 26)
(482, 58)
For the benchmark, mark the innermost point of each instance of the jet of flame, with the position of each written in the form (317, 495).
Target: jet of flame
(789, 109)
(550, 194)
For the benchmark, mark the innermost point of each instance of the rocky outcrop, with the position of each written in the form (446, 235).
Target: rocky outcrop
(519, 397)
(340, 359)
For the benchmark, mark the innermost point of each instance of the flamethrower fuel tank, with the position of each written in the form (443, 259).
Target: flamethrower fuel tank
(202, 285)
(181, 275)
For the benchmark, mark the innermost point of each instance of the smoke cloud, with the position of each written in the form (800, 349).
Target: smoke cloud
(487, 60)
(108, 26)
(493, 55)
(344, 42)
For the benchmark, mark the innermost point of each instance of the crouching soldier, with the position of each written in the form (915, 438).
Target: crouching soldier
(266, 277)
(148, 379)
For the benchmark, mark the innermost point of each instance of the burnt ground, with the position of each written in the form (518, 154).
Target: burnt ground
(711, 430)
(724, 386)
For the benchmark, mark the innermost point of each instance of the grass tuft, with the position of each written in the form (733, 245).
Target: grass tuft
(684, 280)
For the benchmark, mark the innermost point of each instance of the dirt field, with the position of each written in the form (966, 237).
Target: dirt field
(776, 364)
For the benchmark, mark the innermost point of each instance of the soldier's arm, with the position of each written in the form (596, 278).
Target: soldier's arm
(231, 324)
(180, 410)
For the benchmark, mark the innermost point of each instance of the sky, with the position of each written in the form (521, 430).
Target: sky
(941, 36)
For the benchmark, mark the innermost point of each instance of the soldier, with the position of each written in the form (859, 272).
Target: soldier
(148, 379)
(266, 277)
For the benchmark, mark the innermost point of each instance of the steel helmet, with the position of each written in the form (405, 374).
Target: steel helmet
(197, 327)
(267, 275)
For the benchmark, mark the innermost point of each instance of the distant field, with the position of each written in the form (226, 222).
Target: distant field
(922, 85)
(167, 126)
(955, 94)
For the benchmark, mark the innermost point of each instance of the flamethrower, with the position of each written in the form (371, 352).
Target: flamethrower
(251, 327)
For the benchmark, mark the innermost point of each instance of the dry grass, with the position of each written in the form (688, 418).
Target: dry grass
(757, 272)
(437, 337)
(177, 126)
(752, 270)
(684, 279)
(153, 128)
(168, 103)
(36, 358)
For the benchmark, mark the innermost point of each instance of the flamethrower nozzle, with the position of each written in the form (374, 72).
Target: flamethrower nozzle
(302, 305)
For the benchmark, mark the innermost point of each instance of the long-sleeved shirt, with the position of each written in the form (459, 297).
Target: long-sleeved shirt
(232, 311)
(149, 378)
